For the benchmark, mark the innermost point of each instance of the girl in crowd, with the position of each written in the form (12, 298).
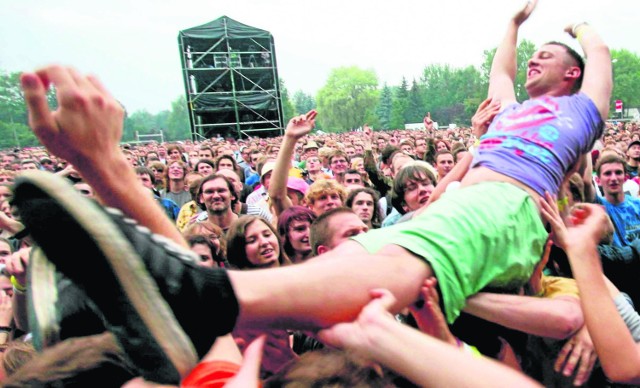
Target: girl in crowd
(364, 202)
(253, 243)
(158, 168)
(442, 145)
(294, 225)
(175, 153)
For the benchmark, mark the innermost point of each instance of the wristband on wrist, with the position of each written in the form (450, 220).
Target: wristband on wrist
(5, 329)
(16, 284)
(578, 30)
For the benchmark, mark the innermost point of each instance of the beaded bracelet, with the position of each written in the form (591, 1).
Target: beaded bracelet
(5, 329)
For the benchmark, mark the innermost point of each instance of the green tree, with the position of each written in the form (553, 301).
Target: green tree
(288, 111)
(385, 105)
(626, 79)
(348, 98)
(524, 52)
(400, 105)
(415, 109)
(178, 125)
(452, 94)
(303, 102)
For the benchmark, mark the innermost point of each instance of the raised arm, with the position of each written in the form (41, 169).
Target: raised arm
(597, 82)
(298, 127)
(503, 68)
(86, 130)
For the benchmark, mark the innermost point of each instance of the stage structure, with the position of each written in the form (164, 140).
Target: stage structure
(231, 80)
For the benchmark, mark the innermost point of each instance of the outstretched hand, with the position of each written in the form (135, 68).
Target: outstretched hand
(522, 15)
(428, 122)
(87, 126)
(300, 126)
(580, 353)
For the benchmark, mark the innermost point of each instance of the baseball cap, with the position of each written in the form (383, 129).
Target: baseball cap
(297, 184)
(633, 143)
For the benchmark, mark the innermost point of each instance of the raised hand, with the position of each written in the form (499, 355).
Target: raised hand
(87, 126)
(522, 15)
(300, 126)
(6, 309)
(428, 123)
(484, 115)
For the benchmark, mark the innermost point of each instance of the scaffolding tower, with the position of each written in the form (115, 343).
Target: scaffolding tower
(231, 80)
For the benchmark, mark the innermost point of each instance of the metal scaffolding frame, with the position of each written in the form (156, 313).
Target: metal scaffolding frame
(231, 81)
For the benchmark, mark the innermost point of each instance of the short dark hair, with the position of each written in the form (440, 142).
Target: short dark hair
(208, 178)
(579, 62)
(608, 159)
(413, 171)
(321, 231)
(145, 170)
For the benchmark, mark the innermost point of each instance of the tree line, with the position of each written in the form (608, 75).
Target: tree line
(350, 97)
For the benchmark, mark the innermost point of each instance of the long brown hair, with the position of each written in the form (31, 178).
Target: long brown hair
(237, 242)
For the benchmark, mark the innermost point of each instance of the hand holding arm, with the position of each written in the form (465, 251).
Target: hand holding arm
(376, 335)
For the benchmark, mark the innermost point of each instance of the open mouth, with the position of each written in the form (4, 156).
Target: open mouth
(532, 72)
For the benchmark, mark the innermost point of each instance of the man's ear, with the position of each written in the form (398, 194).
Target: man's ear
(322, 249)
(573, 72)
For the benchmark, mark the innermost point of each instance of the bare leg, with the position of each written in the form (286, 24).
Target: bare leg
(331, 288)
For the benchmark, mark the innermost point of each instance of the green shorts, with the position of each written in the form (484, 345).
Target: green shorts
(485, 235)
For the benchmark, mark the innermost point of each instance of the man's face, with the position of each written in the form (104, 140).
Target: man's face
(345, 225)
(407, 149)
(353, 180)
(29, 166)
(146, 180)
(6, 161)
(363, 206)
(205, 154)
(326, 202)
(417, 193)
(225, 164)
(421, 146)
(254, 159)
(313, 164)
(175, 171)
(380, 143)
(350, 151)
(444, 164)
(246, 155)
(309, 152)
(359, 149)
(547, 69)
(216, 196)
(634, 152)
(339, 164)
(611, 178)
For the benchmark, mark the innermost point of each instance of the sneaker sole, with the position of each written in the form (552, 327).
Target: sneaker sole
(126, 265)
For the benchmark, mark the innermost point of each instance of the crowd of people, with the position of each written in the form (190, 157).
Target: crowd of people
(505, 253)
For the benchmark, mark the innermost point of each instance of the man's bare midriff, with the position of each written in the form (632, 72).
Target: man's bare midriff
(483, 174)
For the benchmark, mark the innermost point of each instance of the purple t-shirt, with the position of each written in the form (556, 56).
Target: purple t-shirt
(538, 141)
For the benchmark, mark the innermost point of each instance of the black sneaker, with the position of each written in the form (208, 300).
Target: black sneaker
(140, 282)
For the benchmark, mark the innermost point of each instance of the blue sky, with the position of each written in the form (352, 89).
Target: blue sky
(132, 45)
